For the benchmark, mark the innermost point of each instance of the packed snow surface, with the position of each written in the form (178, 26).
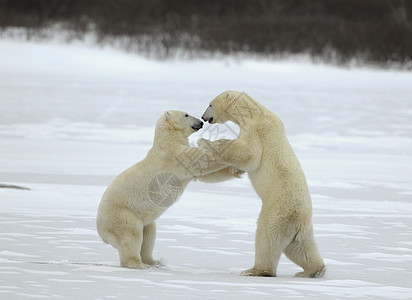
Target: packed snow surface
(73, 117)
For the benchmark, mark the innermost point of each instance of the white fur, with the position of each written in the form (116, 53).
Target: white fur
(127, 212)
(263, 150)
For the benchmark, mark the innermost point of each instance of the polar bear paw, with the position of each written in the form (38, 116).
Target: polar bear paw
(236, 172)
(317, 274)
(134, 264)
(256, 272)
(154, 263)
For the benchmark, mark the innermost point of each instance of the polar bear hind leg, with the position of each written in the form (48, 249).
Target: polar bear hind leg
(269, 245)
(266, 256)
(129, 247)
(149, 238)
(125, 233)
(305, 254)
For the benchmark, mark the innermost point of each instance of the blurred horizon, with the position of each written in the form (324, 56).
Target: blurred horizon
(373, 31)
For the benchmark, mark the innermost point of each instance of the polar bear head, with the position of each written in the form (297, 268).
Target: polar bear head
(232, 106)
(180, 121)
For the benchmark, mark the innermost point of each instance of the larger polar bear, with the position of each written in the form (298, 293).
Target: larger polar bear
(262, 149)
(138, 196)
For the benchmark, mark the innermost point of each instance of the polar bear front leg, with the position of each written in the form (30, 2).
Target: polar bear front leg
(237, 153)
(221, 175)
(195, 162)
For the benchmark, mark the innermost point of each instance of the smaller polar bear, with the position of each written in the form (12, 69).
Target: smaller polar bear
(263, 150)
(138, 196)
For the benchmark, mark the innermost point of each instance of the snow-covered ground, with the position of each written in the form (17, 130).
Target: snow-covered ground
(73, 117)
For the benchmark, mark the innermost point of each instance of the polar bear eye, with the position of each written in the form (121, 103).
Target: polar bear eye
(210, 105)
(186, 115)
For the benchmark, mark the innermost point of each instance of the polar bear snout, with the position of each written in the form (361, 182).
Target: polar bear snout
(208, 115)
(197, 125)
(207, 119)
(210, 120)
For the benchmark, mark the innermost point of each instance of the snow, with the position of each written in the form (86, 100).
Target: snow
(74, 116)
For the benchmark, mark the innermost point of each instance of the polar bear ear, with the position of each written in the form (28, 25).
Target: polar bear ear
(168, 120)
(167, 115)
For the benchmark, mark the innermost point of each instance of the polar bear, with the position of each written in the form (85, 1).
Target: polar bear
(138, 196)
(263, 150)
